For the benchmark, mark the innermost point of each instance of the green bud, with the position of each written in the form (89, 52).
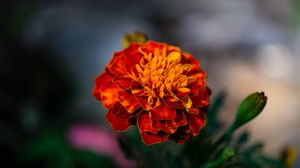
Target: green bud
(250, 107)
(136, 37)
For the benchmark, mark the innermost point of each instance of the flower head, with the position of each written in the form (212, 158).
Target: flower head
(156, 86)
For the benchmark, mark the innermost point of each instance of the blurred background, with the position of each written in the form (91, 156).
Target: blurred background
(51, 52)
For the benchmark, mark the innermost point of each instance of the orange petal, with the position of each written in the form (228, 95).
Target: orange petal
(149, 138)
(179, 120)
(145, 122)
(123, 82)
(196, 122)
(128, 101)
(116, 123)
(202, 98)
(182, 92)
(102, 79)
(171, 48)
(109, 94)
(163, 112)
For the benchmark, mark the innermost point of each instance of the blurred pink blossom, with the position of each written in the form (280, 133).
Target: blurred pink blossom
(98, 139)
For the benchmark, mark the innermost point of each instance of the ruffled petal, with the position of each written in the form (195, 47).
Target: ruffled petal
(162, 126)
(193, 88)
(179, 120)
(149, 138)
(109, 94)
(163, 112)
(125, 115)
(170, 101)
(143, 101)
(189, 59)
(194, 110)
(128, 101)
(117, 67)
(152, 46)
(132, 57)
(123, 82)
(182, 92)
(196, 122)
(120, 112)
(100, 81)
(145, 122)
(171, 48)
(202, 98)
(116, 123)
(200, 76)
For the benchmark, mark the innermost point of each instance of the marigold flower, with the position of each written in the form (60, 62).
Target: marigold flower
(156, 86)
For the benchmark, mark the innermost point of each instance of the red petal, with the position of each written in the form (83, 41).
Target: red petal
(189, 59)
(200, 76)
(116, 65)
(152, 45)
(164, 127)
(132, 56)
(120, 112)
(193, 88)
(117, 107)
(163, 112)
(149, 138)
(145, 122)
(176, 104)
(196, 122)
(109, 94)
(102, 79)
(123, 82)
(194, 110)
(143, 101)
(125, 115)
(116, 123)
(179, 120)
(128, 101)
(202, 98)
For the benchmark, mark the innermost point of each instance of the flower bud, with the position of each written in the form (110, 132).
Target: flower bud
(250, 107)
(136, 37)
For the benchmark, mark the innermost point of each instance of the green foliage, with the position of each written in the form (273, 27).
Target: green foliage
(51, 150)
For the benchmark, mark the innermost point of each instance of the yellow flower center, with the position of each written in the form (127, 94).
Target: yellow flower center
(161, 72)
